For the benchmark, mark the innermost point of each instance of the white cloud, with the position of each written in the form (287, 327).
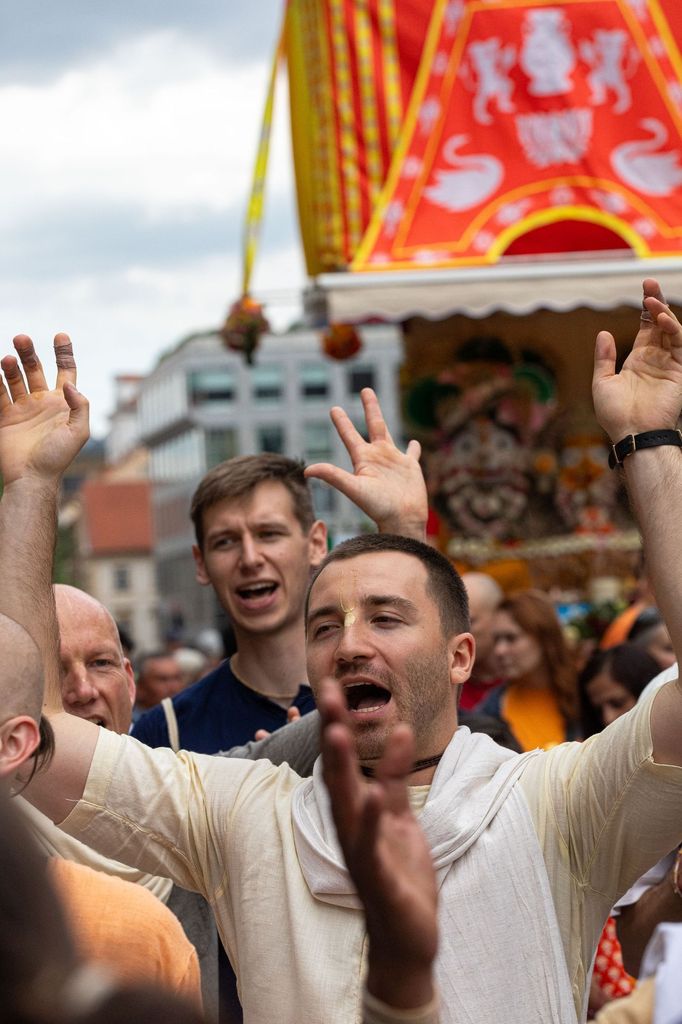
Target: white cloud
(120, 323)
(157, 122)
(156, 127)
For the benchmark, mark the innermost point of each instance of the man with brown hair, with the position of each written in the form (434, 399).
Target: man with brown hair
(257, 541)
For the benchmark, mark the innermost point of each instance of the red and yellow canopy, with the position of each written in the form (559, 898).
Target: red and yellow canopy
(453, 133)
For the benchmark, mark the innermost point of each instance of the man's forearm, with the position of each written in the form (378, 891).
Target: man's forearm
(636, 924)
(375, 1011)
(400, 985)
(654, 481)
(28, 524)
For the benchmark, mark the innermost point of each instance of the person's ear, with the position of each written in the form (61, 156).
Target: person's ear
(461, 655)
(19, 738)
(317, 540)
(200, 574)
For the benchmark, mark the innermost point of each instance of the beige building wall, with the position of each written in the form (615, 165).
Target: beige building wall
(126, 585)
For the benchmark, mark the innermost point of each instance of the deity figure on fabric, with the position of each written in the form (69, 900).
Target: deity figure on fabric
(483, 415)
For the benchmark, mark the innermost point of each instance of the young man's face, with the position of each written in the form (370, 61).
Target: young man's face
(373, 626)
(258, 559)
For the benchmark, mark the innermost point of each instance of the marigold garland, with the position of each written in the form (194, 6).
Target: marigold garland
(244, 326)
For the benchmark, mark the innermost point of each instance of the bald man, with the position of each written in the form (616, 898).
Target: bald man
(115, 924)
(98, 685)
(485, 596)
(97, 679)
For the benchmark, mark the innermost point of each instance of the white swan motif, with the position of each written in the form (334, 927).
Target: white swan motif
(640, 166)
(477, 176)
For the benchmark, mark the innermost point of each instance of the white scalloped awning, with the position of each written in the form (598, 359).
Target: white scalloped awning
(477, 291)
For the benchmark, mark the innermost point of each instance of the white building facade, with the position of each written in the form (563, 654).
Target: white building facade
(203, 404)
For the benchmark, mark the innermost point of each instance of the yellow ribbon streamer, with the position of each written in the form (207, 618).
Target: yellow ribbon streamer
(254, 210)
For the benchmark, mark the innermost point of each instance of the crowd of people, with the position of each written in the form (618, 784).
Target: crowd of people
(400, 797)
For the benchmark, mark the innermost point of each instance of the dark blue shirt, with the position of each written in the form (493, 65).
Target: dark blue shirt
(217, 713)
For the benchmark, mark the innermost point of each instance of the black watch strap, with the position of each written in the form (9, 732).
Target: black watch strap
(634, 442)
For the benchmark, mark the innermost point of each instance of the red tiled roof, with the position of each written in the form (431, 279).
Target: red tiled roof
(118, 516)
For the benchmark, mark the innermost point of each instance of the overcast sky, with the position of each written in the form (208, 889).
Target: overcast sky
(128, 139)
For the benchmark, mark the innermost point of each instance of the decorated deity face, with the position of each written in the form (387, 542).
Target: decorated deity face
(484, 413)
(479, 478)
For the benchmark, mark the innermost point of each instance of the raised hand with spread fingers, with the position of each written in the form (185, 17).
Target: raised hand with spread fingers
(647, 393)
(387, 484)
(41, 430)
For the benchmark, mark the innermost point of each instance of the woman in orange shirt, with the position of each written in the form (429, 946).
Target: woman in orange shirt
(539, 700)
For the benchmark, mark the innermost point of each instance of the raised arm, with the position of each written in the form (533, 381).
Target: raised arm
(41, 432)
(647, 396)
(388, 859)
(387, 484)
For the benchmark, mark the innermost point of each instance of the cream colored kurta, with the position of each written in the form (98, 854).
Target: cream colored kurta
(602, 810)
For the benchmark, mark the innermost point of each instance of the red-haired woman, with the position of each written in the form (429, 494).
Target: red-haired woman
(539, 700)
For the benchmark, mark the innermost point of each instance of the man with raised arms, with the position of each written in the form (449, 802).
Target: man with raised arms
(115, 924)
(530, 851)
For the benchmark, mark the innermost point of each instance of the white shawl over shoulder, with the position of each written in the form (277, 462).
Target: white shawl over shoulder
(500, 957)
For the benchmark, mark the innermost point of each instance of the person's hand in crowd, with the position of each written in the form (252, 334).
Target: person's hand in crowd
(293, 715)
(647, 393)
(387, 856)
(41, 430)
(387, 484)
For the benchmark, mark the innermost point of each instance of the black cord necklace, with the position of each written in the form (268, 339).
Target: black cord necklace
(426, 762)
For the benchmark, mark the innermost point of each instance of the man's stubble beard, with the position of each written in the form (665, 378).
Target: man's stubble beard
(420, 699)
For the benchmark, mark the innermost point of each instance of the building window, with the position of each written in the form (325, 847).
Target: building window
(179, 458)
(314, 380)
(121, 578)
(220, 445)
(267, 383)
(211, 387)
(271, 439)
(360, 377)
(317, 442)
(324, 498)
